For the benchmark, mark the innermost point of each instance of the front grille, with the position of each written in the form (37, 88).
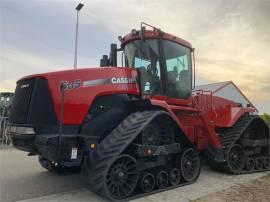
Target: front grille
(21, 101)
(33, 104)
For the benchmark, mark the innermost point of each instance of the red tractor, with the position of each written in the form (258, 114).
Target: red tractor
(139, 128)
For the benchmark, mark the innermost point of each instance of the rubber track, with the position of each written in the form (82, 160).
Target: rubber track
(112, 146)
(231, 135)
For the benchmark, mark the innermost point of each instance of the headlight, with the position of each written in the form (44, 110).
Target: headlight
(21, 130)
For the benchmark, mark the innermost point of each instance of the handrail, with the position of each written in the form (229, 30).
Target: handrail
(208, 105)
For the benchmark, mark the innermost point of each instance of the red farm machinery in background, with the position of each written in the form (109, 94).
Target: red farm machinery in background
(139, 128)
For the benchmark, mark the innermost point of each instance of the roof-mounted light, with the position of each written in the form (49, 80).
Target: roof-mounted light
(120, 38)
(134, 32)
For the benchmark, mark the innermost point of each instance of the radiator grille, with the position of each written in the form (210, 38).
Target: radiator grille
(21, 102)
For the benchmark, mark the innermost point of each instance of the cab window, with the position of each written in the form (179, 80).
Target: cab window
(178, 62)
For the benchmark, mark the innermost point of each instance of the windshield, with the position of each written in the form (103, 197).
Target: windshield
(145, 56)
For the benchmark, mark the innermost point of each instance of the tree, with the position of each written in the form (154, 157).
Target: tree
(266, 118)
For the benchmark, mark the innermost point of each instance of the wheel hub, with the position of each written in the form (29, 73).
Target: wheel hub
(121, 177)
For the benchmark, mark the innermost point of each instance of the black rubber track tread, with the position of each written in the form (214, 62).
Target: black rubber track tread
(230, 136)
(112, 146)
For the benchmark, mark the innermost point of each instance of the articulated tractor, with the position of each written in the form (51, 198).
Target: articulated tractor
(139, 127)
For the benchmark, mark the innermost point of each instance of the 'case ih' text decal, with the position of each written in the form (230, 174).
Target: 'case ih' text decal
(113, 80)
(123, 80)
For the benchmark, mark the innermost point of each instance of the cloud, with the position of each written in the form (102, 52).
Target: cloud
(229, 45)
(230, 37)
(17, 63)
(235, 53)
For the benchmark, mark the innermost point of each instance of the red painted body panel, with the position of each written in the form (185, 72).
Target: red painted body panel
(77, 101)
(220, 111)
(201, 112)
(205, 115)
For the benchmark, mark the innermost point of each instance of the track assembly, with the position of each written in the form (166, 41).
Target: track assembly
(246, 147)
(127, 177)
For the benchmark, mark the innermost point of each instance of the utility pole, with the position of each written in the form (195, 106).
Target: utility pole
(78, 8)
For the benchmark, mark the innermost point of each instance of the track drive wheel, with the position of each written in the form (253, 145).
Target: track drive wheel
(121, 178)
(147, 182)
(236, 158)
(190, 165)
(250, 164)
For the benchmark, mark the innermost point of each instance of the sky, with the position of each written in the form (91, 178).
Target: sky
(231, 38)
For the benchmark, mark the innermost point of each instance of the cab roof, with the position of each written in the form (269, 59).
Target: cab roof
(154, 34)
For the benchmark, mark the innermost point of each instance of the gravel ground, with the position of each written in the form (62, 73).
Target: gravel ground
(22, 179)
(255, 190)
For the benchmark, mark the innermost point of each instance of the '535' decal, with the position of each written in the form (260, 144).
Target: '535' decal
(68, 85)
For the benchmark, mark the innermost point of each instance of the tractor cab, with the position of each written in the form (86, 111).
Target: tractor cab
(163, 61)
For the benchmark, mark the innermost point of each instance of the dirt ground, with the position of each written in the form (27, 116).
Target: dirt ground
(254, 191)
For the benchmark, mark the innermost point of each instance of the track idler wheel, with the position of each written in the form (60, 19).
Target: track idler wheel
(175, 176)
(121, 178)
(190, 165)
(236, 158)
(162, 179)
(250, 164)
(147, 182)
(266, 162)
(259, 163)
